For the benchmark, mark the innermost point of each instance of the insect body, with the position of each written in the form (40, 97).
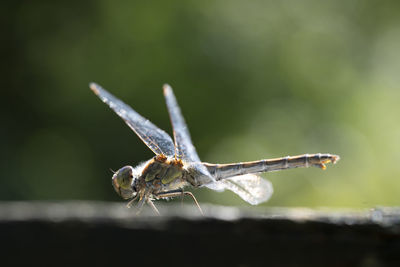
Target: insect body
(177, 165)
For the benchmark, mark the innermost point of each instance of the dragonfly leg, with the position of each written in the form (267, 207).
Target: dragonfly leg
(140, 205)
(151, 204)
(180, 192)
(182, 197)
(129, 205)
(195, 201)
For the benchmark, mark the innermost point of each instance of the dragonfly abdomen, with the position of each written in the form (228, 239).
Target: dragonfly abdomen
(222, 171)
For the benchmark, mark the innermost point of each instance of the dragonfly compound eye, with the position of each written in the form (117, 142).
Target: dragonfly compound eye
(122, 182)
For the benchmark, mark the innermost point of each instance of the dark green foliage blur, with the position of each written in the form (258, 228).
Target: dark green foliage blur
(254, 79)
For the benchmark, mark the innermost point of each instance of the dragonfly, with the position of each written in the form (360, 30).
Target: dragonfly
(176, 164)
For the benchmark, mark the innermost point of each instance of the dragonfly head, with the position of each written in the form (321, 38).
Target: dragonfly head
(124, 181)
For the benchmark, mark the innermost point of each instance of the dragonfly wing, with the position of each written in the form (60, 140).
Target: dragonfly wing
(155, 138)
(250, 187)
(184, 146)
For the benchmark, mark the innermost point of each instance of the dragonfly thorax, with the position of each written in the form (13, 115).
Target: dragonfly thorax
(162, 174)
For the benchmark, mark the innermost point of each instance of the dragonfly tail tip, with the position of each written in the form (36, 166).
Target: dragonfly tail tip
(335, 158)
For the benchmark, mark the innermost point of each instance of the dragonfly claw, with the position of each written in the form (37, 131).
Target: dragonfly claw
(332, 159)
(321, 165)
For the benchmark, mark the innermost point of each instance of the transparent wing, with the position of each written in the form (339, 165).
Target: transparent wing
(250, 187)
(155, 138)
(183, 143)
(184, 148)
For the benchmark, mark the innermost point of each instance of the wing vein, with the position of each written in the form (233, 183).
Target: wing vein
(155, 138)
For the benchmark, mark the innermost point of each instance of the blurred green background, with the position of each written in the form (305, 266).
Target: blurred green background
(254, 79)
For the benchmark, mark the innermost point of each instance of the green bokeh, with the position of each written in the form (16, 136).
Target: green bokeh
(255, 80)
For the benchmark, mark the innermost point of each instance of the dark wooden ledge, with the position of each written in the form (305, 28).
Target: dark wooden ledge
(108, 234)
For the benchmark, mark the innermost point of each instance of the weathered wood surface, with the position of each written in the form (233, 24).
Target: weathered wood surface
(108, 234)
